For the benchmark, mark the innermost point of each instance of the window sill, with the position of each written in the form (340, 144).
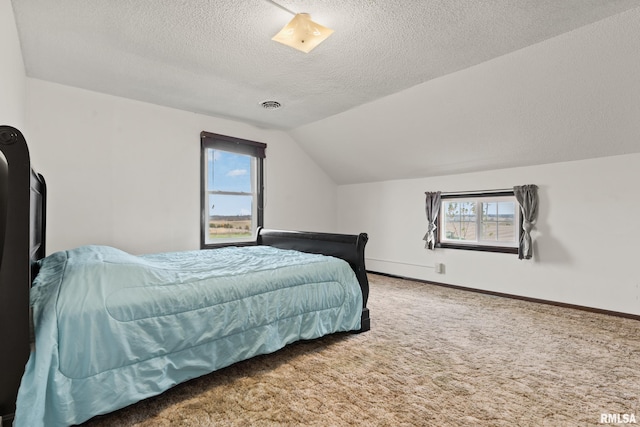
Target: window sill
(483, 248)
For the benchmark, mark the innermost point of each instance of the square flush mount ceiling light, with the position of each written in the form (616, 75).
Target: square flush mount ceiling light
(302, 33)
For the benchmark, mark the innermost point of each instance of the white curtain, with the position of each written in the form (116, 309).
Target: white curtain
(432, 206)
(527, 197)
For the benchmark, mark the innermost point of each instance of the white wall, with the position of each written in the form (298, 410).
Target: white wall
(12, 74)
(125, 173)
(585, 249)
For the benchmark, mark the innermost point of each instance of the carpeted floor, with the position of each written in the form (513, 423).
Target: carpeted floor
(434, 357)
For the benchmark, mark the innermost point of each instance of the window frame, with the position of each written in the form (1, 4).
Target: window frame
(234, 145)
(476, 246)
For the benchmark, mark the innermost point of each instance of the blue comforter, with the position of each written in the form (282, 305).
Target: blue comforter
(113, 328)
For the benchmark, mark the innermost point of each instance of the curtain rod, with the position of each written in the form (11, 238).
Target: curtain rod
(498, 190)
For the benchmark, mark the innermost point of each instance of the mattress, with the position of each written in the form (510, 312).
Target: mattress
(113, 328)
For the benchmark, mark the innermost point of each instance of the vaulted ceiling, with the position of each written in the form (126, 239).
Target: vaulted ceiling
(217, 58)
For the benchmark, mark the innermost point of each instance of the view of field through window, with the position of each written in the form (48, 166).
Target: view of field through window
(231, 196)
(474, 221)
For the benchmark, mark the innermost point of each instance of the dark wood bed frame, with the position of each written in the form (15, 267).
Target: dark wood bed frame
(23, 195)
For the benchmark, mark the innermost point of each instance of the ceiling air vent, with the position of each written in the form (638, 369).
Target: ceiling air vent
(270, 105)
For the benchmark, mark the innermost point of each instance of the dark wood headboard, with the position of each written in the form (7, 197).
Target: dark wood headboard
(22, 243)
(349, 247)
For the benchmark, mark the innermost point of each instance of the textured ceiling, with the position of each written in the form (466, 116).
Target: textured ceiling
(217, 57)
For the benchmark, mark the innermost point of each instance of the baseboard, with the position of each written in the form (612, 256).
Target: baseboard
(518, 297)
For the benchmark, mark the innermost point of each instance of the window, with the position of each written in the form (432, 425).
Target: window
(232, 189)
(484, 221)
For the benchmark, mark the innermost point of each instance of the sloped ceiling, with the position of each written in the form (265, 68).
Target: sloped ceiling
(364, 90)
(573, 97)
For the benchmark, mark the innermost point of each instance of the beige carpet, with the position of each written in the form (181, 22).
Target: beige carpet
(434, 357)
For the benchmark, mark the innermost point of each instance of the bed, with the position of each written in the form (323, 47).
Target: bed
(98, 328)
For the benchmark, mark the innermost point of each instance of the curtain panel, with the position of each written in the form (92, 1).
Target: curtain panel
(432, 207)
(527, 197)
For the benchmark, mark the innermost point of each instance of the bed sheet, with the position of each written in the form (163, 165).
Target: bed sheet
(114, 328)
